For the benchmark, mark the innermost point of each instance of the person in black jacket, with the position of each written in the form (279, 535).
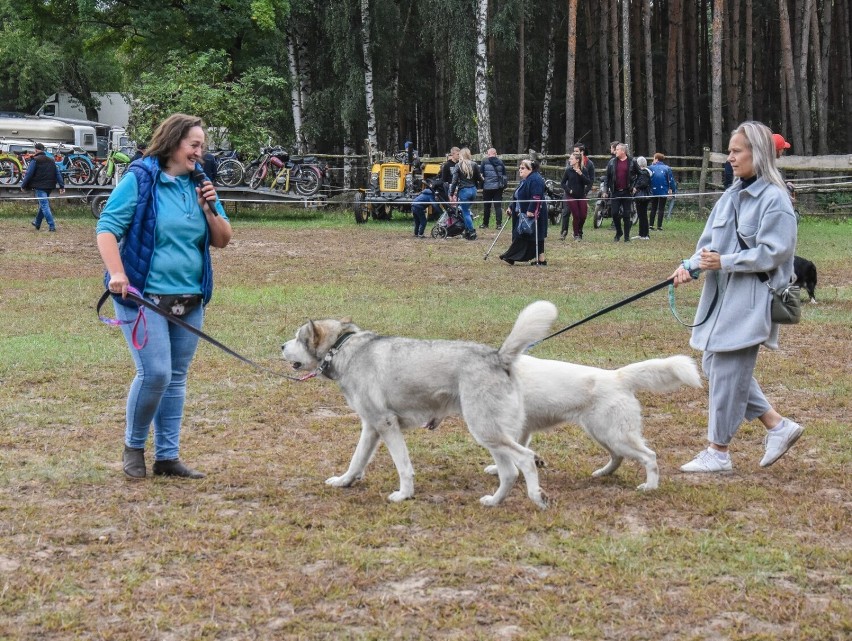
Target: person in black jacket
(621, 174)
(642, 193)
(42, 176)
(575, 183)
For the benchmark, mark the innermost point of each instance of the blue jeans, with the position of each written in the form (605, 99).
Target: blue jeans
(44, 212)
(466, 196)
(158, 391)
(419, 214)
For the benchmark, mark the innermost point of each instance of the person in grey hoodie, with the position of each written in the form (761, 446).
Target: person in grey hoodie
(756, 209)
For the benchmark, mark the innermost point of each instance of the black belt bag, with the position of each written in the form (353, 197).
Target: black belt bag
(176, 304)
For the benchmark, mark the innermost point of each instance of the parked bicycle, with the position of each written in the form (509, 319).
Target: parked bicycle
(279, 171)
(114, 165)
(75, 164)
(230, 171)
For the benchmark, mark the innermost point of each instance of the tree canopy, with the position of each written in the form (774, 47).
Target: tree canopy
(644, 71)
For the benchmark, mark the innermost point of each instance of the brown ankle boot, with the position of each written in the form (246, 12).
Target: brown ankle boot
(134, 462)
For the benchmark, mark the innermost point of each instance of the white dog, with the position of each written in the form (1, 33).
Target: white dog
(396, 383)
(602, 402)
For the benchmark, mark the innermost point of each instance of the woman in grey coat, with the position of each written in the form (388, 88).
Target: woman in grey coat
(740, 322)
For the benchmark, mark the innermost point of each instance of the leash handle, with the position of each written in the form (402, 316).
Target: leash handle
(709, 310)
(134, 295)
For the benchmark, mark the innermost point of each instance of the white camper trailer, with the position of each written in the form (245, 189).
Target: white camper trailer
(46, 130)
(114, 109)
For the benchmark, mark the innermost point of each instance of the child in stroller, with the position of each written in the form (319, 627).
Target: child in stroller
(450, 222)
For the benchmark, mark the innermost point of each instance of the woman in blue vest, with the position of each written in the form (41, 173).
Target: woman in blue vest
(155, 234)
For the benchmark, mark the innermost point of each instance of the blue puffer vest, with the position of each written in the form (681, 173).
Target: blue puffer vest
(137, 246)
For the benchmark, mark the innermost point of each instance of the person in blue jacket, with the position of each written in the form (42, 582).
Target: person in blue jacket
(418, 209)
(154, 235)
(662, 186)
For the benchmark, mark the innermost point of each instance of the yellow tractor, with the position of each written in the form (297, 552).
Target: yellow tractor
(394, 183)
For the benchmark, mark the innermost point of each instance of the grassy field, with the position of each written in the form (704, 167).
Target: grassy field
(263, 549)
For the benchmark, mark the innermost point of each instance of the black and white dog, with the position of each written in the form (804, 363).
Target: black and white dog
(806, 276)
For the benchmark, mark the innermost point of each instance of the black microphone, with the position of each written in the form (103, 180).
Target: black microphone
(198, 177)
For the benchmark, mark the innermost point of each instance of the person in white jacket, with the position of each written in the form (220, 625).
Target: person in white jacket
(740, 323)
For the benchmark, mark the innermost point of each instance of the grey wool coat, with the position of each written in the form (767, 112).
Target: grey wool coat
(767, 224)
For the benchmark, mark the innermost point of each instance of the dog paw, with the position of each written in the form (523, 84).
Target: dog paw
(398, 497)
(491, 469)
(601, 472)
(540, 462)
(646, 487)
(338, 481)
(489, 501)
(542, 501)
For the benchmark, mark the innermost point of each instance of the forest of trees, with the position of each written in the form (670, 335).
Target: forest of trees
(662, 75)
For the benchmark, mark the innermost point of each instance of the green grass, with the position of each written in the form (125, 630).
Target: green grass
(262, 548)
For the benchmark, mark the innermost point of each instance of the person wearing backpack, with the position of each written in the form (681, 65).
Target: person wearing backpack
(494, 182)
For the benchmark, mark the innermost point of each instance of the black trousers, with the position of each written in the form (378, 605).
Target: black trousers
(658, 209)
(495, 197)
(621, 209)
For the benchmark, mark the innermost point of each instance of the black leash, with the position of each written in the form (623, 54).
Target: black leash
(666, 283)
(142, 303)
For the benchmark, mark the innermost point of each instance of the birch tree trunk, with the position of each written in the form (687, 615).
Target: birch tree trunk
(615, 71)
(789, 77)
(650, 119)
(295, 94)
(626, 78)
(716, 74)
(570, 76)
(548, 87)
(372, 136)
(670, 113)
(483, 119)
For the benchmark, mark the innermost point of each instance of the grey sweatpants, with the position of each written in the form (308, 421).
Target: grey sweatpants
(734, 393)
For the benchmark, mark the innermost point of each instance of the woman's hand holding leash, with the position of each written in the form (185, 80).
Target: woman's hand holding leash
(118, 284)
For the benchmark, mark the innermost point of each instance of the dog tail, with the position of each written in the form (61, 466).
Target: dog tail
(660, 374)
(533, 324)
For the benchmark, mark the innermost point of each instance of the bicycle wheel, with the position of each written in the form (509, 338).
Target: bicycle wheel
(308, 181)
(79, 172)
(10, 172)
(230, 172)
(102, 177)
(257, 178)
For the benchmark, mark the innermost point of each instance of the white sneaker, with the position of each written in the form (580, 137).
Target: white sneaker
(780, 439)
(707, 461)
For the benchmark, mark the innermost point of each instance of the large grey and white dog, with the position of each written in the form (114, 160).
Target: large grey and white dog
(395, 383)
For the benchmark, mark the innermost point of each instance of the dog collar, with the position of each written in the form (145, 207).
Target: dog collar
(326, 361)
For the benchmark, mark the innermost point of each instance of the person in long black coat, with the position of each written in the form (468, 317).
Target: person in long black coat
(528, 201)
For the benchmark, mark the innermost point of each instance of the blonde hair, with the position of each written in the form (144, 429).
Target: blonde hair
(466, 164)
(759, 140)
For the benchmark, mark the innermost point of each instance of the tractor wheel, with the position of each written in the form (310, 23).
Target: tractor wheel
(360, 209)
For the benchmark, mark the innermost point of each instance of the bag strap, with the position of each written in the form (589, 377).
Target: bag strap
(763, 276)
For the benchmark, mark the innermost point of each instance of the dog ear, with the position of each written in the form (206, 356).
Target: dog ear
(346, 320)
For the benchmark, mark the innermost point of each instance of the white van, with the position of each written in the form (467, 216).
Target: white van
(45, 130)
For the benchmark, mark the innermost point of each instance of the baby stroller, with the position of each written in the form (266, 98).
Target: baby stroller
(451, 223)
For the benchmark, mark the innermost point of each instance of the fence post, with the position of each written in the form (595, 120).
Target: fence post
(702, 180)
